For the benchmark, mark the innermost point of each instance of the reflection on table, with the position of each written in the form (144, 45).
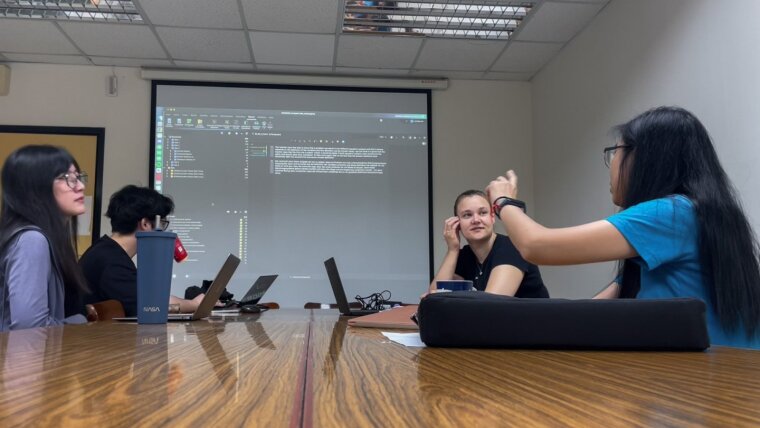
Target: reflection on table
(309, 368)
(112, 374)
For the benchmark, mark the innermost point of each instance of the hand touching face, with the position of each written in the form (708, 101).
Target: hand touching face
(451, 233)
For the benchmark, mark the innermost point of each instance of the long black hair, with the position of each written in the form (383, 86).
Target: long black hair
(670, 153)
(28, 200)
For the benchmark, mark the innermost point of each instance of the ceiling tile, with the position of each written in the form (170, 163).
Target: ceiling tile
(119, 40)
(297, 16)
(377, 51)
(558, 22)
(227, 66)
(290, 36)
(205, 45)
(526, 57)
(439, 54)
(130, 62)
(291, 48)
(523, 77)
(27, 36)
(193, 13)
(49, 59)
(294, 68)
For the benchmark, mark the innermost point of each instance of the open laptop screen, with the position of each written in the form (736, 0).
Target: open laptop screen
(257, 290)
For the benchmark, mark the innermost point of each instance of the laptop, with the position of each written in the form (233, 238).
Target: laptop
(209, 300)
(340, 294)
(257, 290)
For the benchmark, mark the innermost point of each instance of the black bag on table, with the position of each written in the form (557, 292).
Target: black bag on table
(193, 291)
(469, 319)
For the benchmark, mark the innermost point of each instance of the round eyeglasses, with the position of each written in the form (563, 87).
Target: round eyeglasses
(609, 153)
(71, 178)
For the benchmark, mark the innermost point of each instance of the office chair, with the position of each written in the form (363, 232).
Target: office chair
(105, 310)
(270, 305)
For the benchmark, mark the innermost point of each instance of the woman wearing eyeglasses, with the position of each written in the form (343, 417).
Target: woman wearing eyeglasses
(43, 193)
(681, 231)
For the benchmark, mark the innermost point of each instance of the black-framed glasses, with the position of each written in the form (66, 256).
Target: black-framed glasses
(71, 178)
(164, 224)
(609, 153)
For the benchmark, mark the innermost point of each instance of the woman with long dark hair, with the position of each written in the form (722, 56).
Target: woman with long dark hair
(43, 192)
(681, 231)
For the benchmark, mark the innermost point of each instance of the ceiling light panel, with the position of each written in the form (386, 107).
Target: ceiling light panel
(462, 19)
(72, 10)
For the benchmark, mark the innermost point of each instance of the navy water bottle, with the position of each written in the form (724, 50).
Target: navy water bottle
(155, 258)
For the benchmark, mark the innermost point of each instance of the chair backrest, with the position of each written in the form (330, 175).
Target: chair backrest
(106, 310)
(271, 305)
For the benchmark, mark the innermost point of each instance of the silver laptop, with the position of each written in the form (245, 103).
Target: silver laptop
(209, 300)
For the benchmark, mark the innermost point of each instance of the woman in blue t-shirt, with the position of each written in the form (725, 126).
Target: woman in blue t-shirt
(681, 231)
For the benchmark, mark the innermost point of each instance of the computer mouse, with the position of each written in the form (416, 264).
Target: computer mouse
(250, 309)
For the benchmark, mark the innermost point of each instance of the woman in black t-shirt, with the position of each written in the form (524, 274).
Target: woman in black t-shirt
(490, 260)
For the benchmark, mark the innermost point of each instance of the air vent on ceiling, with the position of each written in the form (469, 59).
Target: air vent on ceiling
(462, 19)
(72, 10)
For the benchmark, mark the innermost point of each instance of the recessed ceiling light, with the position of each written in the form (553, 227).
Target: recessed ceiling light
(462, 19)
(72, 10)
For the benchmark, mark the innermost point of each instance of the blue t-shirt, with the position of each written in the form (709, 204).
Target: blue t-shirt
(664, 232)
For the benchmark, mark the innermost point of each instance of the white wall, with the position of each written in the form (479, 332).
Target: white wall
(60, 95)
(479, 128)
(638, 54)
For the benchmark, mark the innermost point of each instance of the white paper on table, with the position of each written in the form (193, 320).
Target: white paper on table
(411, 340)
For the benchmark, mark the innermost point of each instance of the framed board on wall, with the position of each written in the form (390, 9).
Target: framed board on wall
(86, 145)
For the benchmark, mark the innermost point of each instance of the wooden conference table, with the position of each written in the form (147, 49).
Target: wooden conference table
(308, 368)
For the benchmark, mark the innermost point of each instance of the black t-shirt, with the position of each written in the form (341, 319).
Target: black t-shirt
(503, 252)
(73, 303)
(111, 274)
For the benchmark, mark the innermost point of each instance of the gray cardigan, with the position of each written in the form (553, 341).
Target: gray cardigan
(31, 290)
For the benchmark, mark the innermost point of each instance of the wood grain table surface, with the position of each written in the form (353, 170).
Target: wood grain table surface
(309, 368)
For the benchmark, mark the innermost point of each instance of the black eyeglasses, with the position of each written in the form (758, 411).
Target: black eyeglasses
(72, 178)
(609, 153)
(164, 224)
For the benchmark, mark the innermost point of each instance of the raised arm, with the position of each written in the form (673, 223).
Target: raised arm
(593, 242)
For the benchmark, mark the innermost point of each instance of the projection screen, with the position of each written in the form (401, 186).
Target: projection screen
(285, 177)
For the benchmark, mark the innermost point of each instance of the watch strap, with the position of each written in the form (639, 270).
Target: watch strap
(503, 201)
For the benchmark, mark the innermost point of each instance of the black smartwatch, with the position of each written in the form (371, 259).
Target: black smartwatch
(501, 202)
